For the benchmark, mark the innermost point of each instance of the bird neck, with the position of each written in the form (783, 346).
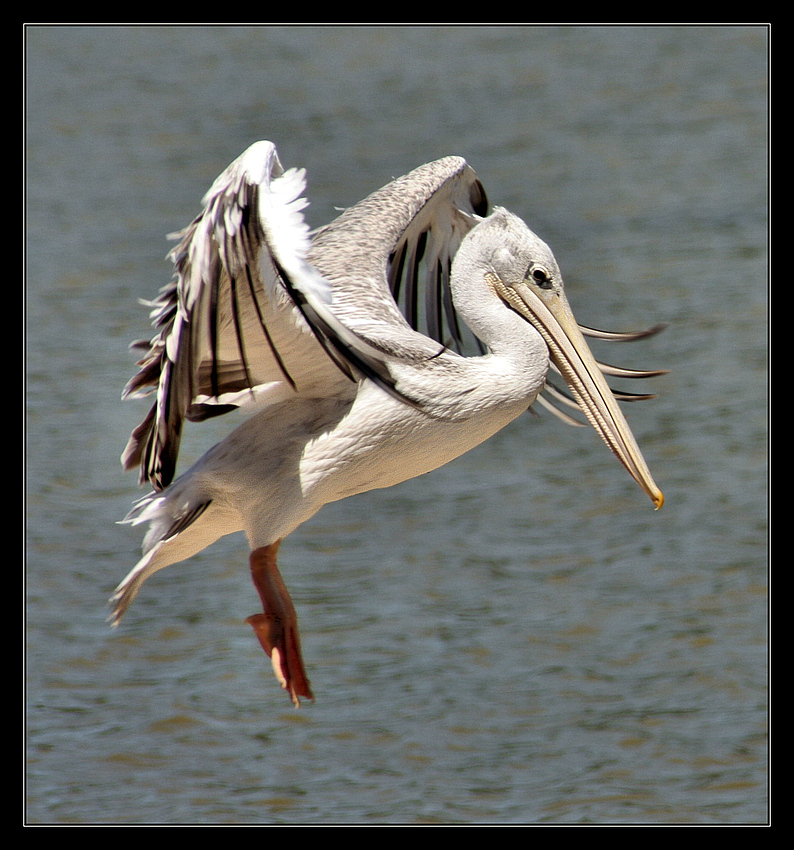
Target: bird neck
(498, 326)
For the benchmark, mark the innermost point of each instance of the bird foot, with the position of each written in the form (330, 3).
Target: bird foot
(277, 627)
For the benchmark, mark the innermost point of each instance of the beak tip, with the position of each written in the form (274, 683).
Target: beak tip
(658, 499)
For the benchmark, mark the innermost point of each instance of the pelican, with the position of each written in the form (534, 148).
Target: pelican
(346, 391)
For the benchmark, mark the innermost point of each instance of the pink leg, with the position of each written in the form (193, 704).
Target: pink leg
(277, 628)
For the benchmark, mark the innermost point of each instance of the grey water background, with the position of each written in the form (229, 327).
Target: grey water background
(517, 638)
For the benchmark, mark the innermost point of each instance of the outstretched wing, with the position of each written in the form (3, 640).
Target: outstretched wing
(229, 330)
(401, 240)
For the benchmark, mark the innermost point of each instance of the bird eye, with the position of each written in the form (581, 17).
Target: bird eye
(539, 275)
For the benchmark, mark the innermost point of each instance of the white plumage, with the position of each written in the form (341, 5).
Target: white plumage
(347, 391)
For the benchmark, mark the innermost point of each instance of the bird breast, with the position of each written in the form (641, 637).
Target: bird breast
(383, 442)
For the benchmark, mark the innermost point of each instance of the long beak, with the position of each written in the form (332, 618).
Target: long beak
(551, 316)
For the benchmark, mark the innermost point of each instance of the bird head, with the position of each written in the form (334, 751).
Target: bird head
(521, 270)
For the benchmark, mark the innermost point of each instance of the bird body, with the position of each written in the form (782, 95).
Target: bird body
(279, 467)
(345, 393)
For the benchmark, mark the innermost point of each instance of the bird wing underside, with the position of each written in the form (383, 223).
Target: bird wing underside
(389, 258)
(228, 330)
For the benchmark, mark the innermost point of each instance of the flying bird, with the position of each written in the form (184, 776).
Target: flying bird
(370, 351)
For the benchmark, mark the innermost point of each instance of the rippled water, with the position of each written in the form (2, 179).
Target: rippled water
(516, 638)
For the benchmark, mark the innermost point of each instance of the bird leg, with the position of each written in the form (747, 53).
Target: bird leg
(277, 628)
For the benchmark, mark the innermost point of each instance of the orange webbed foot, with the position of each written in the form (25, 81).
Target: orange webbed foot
(277, 627)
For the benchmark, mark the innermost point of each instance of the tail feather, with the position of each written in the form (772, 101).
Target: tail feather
(128, 589)
(177, 530)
